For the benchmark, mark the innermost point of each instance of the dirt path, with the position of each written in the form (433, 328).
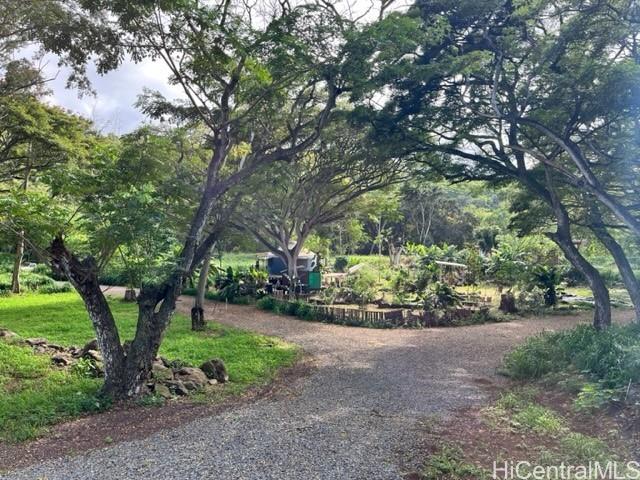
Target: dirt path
(356, 416)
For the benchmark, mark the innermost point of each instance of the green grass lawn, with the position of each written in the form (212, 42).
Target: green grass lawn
(235, 260)
(34, 395)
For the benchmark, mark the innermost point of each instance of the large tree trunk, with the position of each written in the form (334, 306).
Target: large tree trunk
(197, 312)
(125, 371)
(562, 237)
(624, 267)
(15, 277)
(602, 302)
(82, 274)
(292, 271)
(155, 310)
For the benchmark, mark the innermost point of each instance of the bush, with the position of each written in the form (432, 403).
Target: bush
(297, 308)
(29, 281)
(57, 287)
(341, 264)
(266, 303)
(34, 281)
(611, 357)
(363, 285)
(42, 269)
(532, 300)
(441, 296)
(190, 291)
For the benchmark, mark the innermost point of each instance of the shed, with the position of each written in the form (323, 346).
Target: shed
(307, 262)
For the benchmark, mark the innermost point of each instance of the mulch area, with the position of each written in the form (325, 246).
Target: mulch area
(131, 421)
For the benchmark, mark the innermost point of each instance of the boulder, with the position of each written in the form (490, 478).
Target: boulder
(192, 386)
(176, 387)
(160, 372)
(74, 351)
(91, 345)
(61, 359)
(211, 386)
(214, 369)
(162, 390)
(37, 342)
(194, 375)
(4, 333)
(93, 355)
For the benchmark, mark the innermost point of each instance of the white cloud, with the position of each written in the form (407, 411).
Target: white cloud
(112, 108)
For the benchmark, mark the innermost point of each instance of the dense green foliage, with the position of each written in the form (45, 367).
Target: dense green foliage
(609, 358)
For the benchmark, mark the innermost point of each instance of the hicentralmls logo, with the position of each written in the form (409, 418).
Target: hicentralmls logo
(592, 471)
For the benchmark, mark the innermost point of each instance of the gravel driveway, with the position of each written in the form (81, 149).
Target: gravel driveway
(356, 416)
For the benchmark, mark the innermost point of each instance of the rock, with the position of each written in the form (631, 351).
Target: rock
(74, 351)
(164, 361)
(195, 375)
(192, 386)
(162, 390)
(57, 348)
(211, 386)
(36, 342)
(92, 345)
(177, 387)
(4, 333)
(93, 355)
(160, 372)
(61, 359)
(215, 369)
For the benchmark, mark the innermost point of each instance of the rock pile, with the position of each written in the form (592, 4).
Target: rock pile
(167, 379)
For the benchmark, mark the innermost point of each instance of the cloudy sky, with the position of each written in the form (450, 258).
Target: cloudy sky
(112, 108)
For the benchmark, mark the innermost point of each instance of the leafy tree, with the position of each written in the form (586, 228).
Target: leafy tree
(382, 210)
(452, 103)
(35, 139)
(261, 86)
(317, 190)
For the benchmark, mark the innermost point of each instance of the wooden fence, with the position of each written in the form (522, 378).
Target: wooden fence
(355, 316)
(396, 318)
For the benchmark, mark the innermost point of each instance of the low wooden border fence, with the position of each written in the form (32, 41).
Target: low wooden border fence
(393, 318)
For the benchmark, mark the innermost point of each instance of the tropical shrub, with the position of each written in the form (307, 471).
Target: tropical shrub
(547, 278)
(441, 296)
(362, 285)
(532, 300)
(341, 263)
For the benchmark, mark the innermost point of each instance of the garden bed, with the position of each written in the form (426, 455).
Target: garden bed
(374, 317)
